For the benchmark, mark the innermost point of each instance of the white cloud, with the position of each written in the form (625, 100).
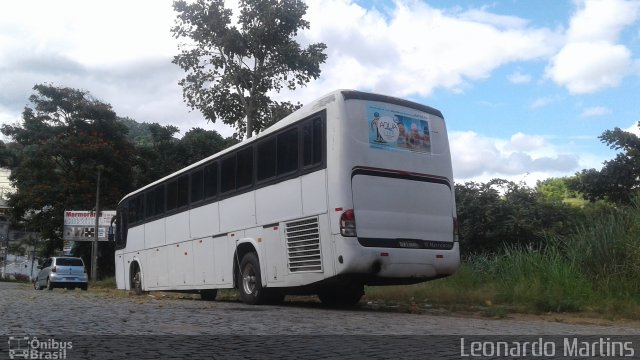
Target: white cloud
(595, 111)
(416, 48)
(586, 67)
(119, 50)
(477, 157)
(542, 102)
(524, 142)
(591, 59)
(598, 20)
(634, 129)
(519, 78)
(499, 21)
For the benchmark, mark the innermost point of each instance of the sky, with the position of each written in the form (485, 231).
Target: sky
(526, 87)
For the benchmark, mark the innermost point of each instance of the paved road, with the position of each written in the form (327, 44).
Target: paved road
(91, 315)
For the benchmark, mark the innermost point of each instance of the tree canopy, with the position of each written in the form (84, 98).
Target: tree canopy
(62, 139)
(231, 69)
(619, 178)
(64, 136)
(501, 212)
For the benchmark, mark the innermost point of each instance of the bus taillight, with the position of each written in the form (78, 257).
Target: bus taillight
(348, 224)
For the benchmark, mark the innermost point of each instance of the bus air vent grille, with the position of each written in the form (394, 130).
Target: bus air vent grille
(303, 245)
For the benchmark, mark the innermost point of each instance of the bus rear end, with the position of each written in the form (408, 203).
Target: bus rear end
(398, 222)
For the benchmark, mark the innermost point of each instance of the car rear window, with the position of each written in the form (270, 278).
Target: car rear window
(69, 262)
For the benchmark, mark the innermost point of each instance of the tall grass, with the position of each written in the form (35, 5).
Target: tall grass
(595, 269)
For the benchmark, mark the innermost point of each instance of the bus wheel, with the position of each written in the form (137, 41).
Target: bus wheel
(208, 295)
(137, 283)
(341, 297)
(249, 281)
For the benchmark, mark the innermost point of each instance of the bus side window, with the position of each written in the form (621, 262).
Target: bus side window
(266, 153)
(172, 195)
(244, 167)
(228, 174)
(312, 142)
(136, 209)
(211, 180)
(150, 204)
(159, 198)
(197, 185)
(183, 191)
(318, 141)
(288, 151)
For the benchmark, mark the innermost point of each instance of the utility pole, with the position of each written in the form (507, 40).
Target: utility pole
(94, 248)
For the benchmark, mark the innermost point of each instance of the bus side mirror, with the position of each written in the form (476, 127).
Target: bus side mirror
(110, 233)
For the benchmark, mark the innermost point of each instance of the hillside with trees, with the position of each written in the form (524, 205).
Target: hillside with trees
(64, 136)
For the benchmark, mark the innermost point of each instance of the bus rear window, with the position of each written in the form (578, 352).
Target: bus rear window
(68, 262)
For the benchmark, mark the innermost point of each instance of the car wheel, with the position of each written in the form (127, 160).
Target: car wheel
(84, 287)
(49, 284)
(249, 280)
(36, 286)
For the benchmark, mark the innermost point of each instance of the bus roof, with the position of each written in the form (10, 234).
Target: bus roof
(292, 118)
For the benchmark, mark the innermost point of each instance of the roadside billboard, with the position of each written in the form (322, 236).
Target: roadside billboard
(79, 225)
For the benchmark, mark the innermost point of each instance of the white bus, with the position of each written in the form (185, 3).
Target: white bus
(353, 189)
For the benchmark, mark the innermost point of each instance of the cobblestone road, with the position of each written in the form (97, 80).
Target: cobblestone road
(24, 311)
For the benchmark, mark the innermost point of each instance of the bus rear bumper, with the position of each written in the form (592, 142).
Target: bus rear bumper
(395, 265)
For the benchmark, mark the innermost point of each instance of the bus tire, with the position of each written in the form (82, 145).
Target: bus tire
(341, 297)
(249, 280)
(136, 285)
(209, 294)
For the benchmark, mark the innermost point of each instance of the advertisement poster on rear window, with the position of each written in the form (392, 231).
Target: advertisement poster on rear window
(397, 131)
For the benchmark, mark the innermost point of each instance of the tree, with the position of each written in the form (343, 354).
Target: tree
(198, 144)
(502, 212)
(231, 70)
(619, 178)
(54, 155)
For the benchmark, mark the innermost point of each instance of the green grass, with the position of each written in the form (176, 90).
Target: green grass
(108, 283)
(596, 270)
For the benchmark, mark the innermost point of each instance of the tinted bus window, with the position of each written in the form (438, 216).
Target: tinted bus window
(210, 180)
(159, 198)
(244, 167)
(266, 154)
(150, 204)
(130, 207)
(183, 191)
(288, 151)
(312, 142)
(307, 144)
(139, 204)
(318, 140)
(197, 185)
(172, 195)
(228, 174)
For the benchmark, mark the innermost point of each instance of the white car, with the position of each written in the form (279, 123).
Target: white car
(63, 272)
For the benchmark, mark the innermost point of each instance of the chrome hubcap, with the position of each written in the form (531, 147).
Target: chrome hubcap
(248, 280)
